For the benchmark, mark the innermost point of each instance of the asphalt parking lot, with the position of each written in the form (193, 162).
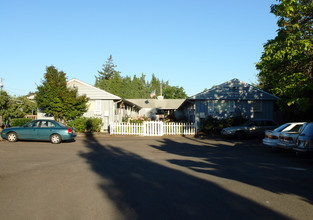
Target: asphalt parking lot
(153, 178)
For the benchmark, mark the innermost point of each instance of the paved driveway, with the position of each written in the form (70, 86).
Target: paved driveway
(153, 178)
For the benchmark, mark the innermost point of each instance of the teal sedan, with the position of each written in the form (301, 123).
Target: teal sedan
(45, 130)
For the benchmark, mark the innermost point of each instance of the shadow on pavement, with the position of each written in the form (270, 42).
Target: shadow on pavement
(141, 189)
(250, 163)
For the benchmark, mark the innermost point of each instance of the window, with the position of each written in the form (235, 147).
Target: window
(221, 106)
(296, 128)
(47, 124)
(33, 124)
(210, 106)
(98, 106)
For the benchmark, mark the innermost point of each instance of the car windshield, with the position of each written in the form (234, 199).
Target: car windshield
(308, 130)
(282, 127)
(248, 123)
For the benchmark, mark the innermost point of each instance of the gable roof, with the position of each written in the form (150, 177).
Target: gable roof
(159, 104)
(234, 89)
(91, 91)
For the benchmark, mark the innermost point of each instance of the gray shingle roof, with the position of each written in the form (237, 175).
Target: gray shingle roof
(160, 104)
(233, 90)
(91, 91)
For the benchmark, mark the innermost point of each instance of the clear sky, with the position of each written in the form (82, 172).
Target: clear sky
(190, 43)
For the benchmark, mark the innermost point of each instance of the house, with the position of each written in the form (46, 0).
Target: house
(158, 108)
(232, 98)
(110, 108)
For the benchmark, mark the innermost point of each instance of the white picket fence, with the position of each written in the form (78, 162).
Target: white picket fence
(152, 128)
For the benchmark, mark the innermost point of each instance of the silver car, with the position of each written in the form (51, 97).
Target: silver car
(287, 140)
(271, 138)
(253, 127)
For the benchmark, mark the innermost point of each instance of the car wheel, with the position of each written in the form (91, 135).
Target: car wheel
(240, 134)
(55, 139)
(12, 137)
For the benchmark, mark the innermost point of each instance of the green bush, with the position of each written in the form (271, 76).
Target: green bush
(94, 124)
(83, 124)
(17, 122)
(213, 125)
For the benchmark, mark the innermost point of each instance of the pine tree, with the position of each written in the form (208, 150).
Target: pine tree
(54, 97)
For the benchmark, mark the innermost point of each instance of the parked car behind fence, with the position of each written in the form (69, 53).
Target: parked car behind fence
(253, 127)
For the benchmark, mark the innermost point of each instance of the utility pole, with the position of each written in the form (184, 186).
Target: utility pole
(1, 84)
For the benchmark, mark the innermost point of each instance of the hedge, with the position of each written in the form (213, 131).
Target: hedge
(83, 124)
(17, 122)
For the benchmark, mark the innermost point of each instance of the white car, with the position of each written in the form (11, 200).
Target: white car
(287, 140)
(272, 137)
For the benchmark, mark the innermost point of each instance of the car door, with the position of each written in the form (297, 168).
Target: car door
(45, 130)
(29, 131)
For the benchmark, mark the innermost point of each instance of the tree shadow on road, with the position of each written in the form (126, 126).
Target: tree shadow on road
(248, 162)
(142, 189)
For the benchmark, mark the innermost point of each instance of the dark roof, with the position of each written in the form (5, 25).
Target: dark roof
(159, 104)
(234, 89)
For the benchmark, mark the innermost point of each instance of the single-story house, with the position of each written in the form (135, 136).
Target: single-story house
(110, 108)
(232, 98)
(158, 108)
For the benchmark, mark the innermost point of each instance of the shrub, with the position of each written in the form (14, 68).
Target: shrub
(137, 120)
(213, 125)
(83, 124)
(94, 124)
(16, 122)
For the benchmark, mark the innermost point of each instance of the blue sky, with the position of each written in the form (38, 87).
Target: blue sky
(190, 43)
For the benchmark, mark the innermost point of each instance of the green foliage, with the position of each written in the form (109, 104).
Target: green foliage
(137, 87)
(213, 125)
(286, 66)
(54, 97)
(29, 107)
(83, 124)
(11, 107)
(17, 122)
(4, 105)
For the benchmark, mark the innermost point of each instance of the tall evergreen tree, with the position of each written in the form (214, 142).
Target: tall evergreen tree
(111, 81)
(54, 97)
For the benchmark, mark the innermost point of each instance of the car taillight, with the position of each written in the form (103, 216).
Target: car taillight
(273, 137)
(266, 136)
(69, 130)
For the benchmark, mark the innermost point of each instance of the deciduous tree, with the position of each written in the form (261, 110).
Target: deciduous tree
(286, 65)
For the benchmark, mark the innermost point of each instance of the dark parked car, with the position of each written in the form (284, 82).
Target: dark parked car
(305, 139)
(253, 127)
(45, 130)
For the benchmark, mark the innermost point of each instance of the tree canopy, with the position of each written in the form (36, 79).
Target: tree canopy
(286, 65)
(54, 97)
(134, 87)
(15, 107)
